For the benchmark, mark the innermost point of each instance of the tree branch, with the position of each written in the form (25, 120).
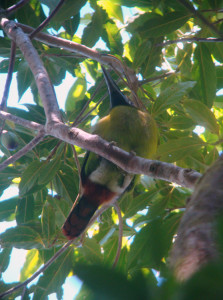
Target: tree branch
(197, 14)
(126, 161)
(189, 39)
(196, 237)
(42, 269)
(110, 60)
(167, 74)
(16, 6)
(43, 82)
(47, 20)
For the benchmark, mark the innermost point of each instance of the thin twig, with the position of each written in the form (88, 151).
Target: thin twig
(193, 39)
(76, 122)
(54, 151)
(47, 20)
(197, 14)
(9, 76)
(167, 74)
(90, 111)
(16, 6)
(42, 269)
(120, 234)
(23, 151)
(80, 49)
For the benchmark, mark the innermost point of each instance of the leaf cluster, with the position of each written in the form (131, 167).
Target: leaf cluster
(181, 103)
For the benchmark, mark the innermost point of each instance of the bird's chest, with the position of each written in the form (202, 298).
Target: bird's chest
(109, 175)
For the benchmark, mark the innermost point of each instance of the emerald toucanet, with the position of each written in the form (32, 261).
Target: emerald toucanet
(103, 182)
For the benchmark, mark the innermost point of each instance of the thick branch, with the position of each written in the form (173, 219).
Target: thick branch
(196, 238)
(43, 82)
(126, 161)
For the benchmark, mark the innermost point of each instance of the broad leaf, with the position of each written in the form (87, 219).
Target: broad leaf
(22, 237)
(174, 150)
(25, 210)
(171, 95)
(206, 76)
(202, 115)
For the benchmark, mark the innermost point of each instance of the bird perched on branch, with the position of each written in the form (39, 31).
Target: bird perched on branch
(103, 182)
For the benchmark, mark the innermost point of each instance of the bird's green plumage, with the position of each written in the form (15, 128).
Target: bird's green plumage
(133, 131)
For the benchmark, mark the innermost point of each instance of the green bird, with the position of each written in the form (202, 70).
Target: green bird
(103, 182)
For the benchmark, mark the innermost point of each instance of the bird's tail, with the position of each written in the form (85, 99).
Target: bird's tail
(79, 217)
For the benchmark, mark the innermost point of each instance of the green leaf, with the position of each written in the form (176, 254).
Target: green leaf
(7, 208)
(48, 221)
(71, 25)
(114, 39)
(140, 202)
(150, 245)
(113, 9)
(5, 256)
(68, 9)
(66, 183)
(171, 95)
(5, 47)
(206, 76)
(180, 122)
(201, 115)
(30, 177)
(49, 170)
(21, 237)
(25, 210)
(76, 93)
(156, 26)
(92, 250)
(61, 209)
(109, 284)
(141, 54)
(24, 78)
(94, 29)
(31, 265)
(54, 276)
(174, 150)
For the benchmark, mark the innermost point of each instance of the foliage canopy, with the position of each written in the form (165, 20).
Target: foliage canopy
(185, 97)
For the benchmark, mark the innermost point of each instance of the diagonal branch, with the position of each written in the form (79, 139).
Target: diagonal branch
(47, 20)
(82, 50)
(16, 6)
(43, 82)
(126, 161)
(197, 14)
